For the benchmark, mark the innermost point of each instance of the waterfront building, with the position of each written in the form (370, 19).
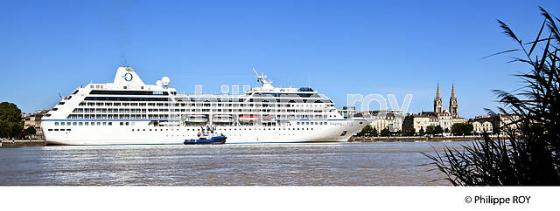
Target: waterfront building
(414, 123)
(493, 124)
(383, 119)
(34, 120)
(457, 120)
(481, 126)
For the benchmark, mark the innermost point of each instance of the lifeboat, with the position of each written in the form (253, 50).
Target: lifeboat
(170, 123)
(197, 118)
(222, 118)
(268, 118)
(247, 118)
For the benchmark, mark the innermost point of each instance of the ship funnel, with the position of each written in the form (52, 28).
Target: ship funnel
(126, 76)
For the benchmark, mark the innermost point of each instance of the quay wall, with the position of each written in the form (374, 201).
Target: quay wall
(4, 143)
(414, 138)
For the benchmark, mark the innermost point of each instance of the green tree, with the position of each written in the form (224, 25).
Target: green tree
(456, 129)
(374, 132)
(438, 130)
(421, 132)
(30, 131)
(461, 129)
(430, 130)
(385, 132)
(366, 131)
(11, 125)
(528, 155)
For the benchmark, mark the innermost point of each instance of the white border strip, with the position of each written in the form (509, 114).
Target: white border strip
(271, 198)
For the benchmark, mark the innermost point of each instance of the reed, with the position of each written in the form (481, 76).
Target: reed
(529, 152)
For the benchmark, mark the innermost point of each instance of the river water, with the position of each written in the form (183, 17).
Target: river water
(365, 164)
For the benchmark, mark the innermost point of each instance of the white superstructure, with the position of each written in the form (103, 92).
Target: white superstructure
(128, 111)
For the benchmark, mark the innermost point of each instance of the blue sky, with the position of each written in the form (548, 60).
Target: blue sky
(337, 47)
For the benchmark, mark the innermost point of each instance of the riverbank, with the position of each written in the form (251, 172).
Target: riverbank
(413, 138)
(4, 143)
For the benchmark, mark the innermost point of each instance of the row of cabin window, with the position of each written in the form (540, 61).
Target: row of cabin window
(132, 115)
(116, 116)
(128, 123)
(272, 128)
(60, 129)
(138, 130)
(89, 123)
(138, 110)
(311, 123)
(123, 104)
(242, 104)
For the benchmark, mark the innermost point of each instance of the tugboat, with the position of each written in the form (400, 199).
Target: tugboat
(206, 136)
(203, 140)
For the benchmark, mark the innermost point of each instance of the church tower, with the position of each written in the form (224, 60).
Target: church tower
(453, 105)
(438, 104)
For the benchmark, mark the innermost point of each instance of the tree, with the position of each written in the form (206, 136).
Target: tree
(10, 120)
(461, 129)
(468, 129)
(385, 132)
(408, 132)
(30, 130)
(430, 130)
(421, 131)
(438, 130)
(366, 131)
(374, 132)
(528, 155)
(361, 133)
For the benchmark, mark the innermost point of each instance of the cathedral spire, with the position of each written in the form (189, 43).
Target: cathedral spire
(453, 104)
(453, 90)
(438, 104)
(437, 92)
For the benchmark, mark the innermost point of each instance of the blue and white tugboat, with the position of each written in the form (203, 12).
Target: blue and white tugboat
(207, 136)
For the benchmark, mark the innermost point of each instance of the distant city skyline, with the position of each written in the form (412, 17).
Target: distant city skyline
(336, 47)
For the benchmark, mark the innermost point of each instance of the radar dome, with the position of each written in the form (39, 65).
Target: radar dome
(165, 81)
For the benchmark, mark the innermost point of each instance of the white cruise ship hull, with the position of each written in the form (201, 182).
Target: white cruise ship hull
(129, 111)
(141, 133)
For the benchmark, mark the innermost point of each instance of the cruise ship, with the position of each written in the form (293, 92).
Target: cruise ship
(129, 111)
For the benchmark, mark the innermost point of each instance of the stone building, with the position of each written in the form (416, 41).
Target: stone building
(413, 123)
(421, 121)
(492, 124)
(34, 120)
(379, 120)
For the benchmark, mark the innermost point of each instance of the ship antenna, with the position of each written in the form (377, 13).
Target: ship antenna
(123, 59)
(259, 78)
(308, 80)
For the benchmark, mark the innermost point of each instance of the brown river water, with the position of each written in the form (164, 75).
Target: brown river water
(329, 164)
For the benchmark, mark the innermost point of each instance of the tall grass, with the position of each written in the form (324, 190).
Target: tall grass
(529, 153)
